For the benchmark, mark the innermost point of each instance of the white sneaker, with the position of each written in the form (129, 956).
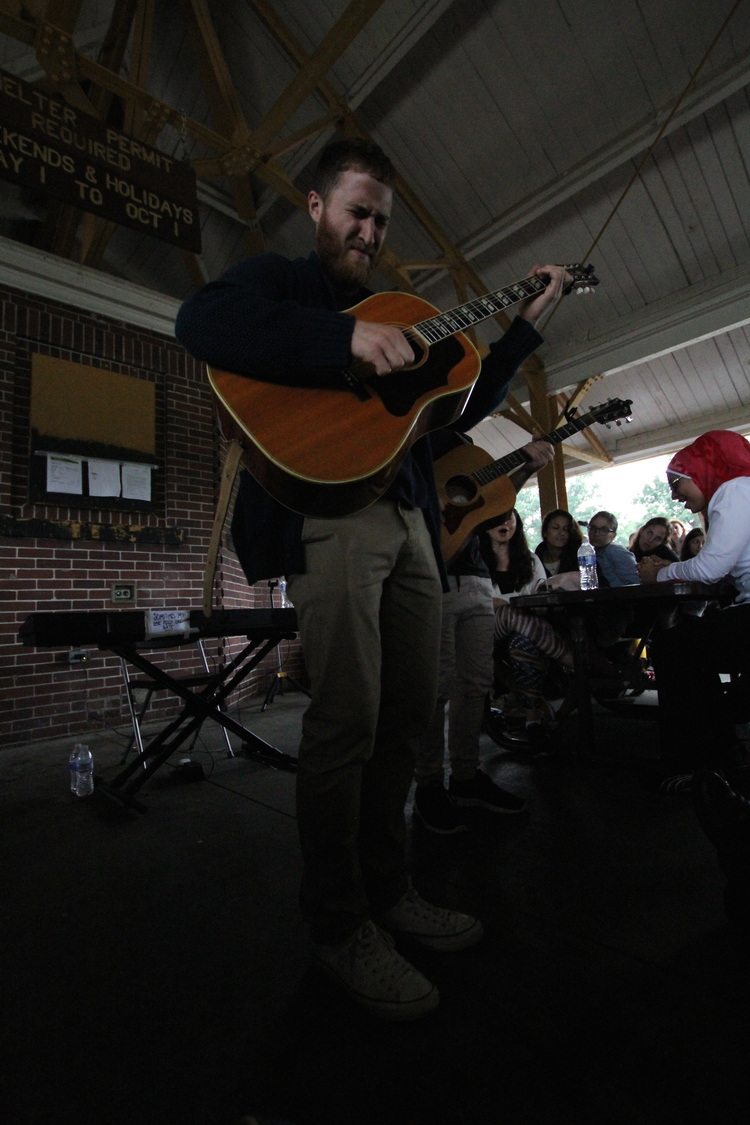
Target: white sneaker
(446, 931)
(368, 967)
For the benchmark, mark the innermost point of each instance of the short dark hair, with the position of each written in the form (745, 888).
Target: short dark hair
(353, 153)
(605, 516)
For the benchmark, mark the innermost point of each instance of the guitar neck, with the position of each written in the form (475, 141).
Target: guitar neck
(514, 460)
(473, 312)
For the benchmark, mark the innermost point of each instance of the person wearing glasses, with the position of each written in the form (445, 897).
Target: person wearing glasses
(711, 476)
(616, 565)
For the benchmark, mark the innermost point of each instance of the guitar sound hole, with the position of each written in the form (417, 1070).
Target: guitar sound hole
(460, 490)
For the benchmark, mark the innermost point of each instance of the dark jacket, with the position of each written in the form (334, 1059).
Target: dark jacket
(282, 321)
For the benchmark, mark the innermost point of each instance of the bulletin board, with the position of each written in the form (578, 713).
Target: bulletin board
(93, 436)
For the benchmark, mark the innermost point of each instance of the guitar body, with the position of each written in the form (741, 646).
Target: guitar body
(468, 507)
(327, 452)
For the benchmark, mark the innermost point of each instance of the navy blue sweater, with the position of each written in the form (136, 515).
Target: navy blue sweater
(282, 321)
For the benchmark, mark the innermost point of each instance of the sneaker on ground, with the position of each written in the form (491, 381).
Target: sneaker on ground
(374, 975)
(436, 809)
(482, 792)
(445, 931)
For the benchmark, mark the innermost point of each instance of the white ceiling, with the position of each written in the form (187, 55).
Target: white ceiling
(519, 126)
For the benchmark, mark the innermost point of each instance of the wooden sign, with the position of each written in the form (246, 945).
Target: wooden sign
(46, 143)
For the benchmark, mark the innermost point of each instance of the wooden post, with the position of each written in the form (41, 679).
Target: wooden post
(539, 404)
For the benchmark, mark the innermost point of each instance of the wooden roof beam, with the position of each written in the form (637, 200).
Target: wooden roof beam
(145, 126)
(227, 114)
(315, 67)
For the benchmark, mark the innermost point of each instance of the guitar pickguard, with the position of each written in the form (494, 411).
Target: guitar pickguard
(399, 394)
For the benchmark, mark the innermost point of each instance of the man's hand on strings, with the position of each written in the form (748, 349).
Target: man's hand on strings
(383, 346)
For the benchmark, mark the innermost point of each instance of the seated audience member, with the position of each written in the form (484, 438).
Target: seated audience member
(676, 538)
(561, 538)
(616, 565)
(651, 539)
(531, 641)
(693, 544)
(710, 476)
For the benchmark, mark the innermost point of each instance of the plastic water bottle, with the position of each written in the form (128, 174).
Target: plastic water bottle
(587, 565)
(73, 765)
(285, 602)
(82, 770)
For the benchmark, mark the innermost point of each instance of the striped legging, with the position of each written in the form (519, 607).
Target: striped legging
(531, 643)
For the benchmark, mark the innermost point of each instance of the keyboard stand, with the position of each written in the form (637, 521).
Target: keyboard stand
(199, 704)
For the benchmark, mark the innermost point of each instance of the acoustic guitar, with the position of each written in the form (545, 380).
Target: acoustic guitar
(330, 452)
(475, 491)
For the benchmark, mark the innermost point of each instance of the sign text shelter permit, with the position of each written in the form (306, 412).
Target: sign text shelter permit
(46, 143)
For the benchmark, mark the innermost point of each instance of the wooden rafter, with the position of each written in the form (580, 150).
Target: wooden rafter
(241, 151)
(226, 112)
(584, 455)
(146, 127)
(56, 55)
(589, 435)
(570, 402)
(314, 69)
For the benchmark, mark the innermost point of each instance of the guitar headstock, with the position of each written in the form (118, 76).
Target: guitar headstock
(584, 280)
(613, 410)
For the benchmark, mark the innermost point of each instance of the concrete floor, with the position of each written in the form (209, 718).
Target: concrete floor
(157, 971)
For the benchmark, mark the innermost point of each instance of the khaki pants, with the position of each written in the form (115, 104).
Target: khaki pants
(368, 607)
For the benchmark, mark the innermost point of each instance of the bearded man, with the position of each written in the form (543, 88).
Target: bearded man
(366, 587)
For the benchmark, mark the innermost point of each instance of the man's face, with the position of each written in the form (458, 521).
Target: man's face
(601, 532)
(351, 223)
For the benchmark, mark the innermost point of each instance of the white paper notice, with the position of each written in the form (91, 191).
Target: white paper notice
(104, 478)
(64, 474)
(136, 482)
(162, 622)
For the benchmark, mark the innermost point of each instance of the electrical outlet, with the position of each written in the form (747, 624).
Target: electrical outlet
(123, 593)
(78, 655)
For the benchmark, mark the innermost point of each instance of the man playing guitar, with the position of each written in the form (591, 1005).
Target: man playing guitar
(366, 586)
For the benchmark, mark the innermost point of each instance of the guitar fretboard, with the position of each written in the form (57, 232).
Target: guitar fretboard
(514, 460)
(464, 316)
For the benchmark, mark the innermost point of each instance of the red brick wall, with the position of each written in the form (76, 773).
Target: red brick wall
(41, 693)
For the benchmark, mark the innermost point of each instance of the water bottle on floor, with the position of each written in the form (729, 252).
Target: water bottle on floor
(285, 601)
(81, 764)
(587, 563)
(73, 766)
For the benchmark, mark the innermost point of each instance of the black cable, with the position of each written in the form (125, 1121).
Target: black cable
(253, 800)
